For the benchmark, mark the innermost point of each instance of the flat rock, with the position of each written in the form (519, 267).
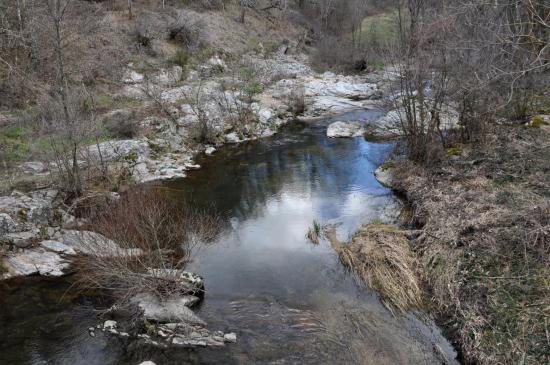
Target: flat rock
(173, 309)
(89, 243)
(345, 129)
(35, 261)
(58, 247)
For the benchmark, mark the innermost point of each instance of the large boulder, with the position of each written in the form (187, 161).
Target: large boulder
(345, 129)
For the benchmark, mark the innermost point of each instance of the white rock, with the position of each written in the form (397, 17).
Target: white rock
(210, 150)
(33, 167)
(35, 261)
(384, 175)
(110, 325)
(20, 239)
(345, 129)
(147, 363)
(132, 77)
(230, 337)
(120, 150)
(58, 247)
(170, 310)
(91, 243)
(232, 137)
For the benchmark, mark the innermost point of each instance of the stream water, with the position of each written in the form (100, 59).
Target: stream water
(288, 300)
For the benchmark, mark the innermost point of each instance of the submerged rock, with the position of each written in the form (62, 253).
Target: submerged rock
(345, 129)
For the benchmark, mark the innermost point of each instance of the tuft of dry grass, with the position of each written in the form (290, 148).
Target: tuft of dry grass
(380, 256)
(314, 232)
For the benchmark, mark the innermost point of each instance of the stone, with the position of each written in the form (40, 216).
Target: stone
(110, 325)
(58, 247)
(35, 261)
(33, 167)
(7, 224)
(20, 239)
(230, 337)
(384, 176)
(88, 243)
(232, 137)
(169, 77)
(345, 129)
(174, 309)
(35, 210)
(147, 363)
(132, 77)
(117, 150)
(209, 150)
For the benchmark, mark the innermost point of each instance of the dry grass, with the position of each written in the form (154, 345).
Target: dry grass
(152, 232)
(380, 256)
(485, 251)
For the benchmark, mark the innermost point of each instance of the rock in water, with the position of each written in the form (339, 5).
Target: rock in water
(174, 309)
(345, 129)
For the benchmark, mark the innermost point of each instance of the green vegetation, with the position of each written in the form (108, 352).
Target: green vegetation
(314, 232)
(388, 165)
(537, 122)
(381, 28)
(455, 151)
(14, 144)
(181, 58)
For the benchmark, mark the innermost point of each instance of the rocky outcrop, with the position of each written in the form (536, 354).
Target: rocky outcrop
(345, 129)
(32, 262)
(173, 309)
(384, 174)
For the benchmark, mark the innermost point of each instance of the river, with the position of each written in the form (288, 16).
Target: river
(288, 300)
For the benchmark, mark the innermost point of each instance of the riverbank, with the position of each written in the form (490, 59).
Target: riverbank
(483, 255)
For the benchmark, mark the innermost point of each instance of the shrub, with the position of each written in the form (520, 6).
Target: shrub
(181, 58)
(165, 231)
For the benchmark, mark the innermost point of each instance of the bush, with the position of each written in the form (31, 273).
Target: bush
(166, 233)
(121, 125)
(188, 32)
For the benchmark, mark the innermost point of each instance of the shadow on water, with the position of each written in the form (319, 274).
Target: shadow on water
(290, 302)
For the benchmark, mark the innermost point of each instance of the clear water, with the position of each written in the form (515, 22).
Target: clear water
(289, 301)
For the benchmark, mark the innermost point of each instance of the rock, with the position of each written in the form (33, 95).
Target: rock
(89, 243)
(58, 247)
(110, 325)
(132, 77)
(170, 310)
(384, 175)
(33, 167)
(345, 129)
(147, 363)
(169, 77)
(35, 261)
(116, 150)
(20, 239)
(35, 210)
(7, 224)
(232, 137)
(230, 337)
(210, 150)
